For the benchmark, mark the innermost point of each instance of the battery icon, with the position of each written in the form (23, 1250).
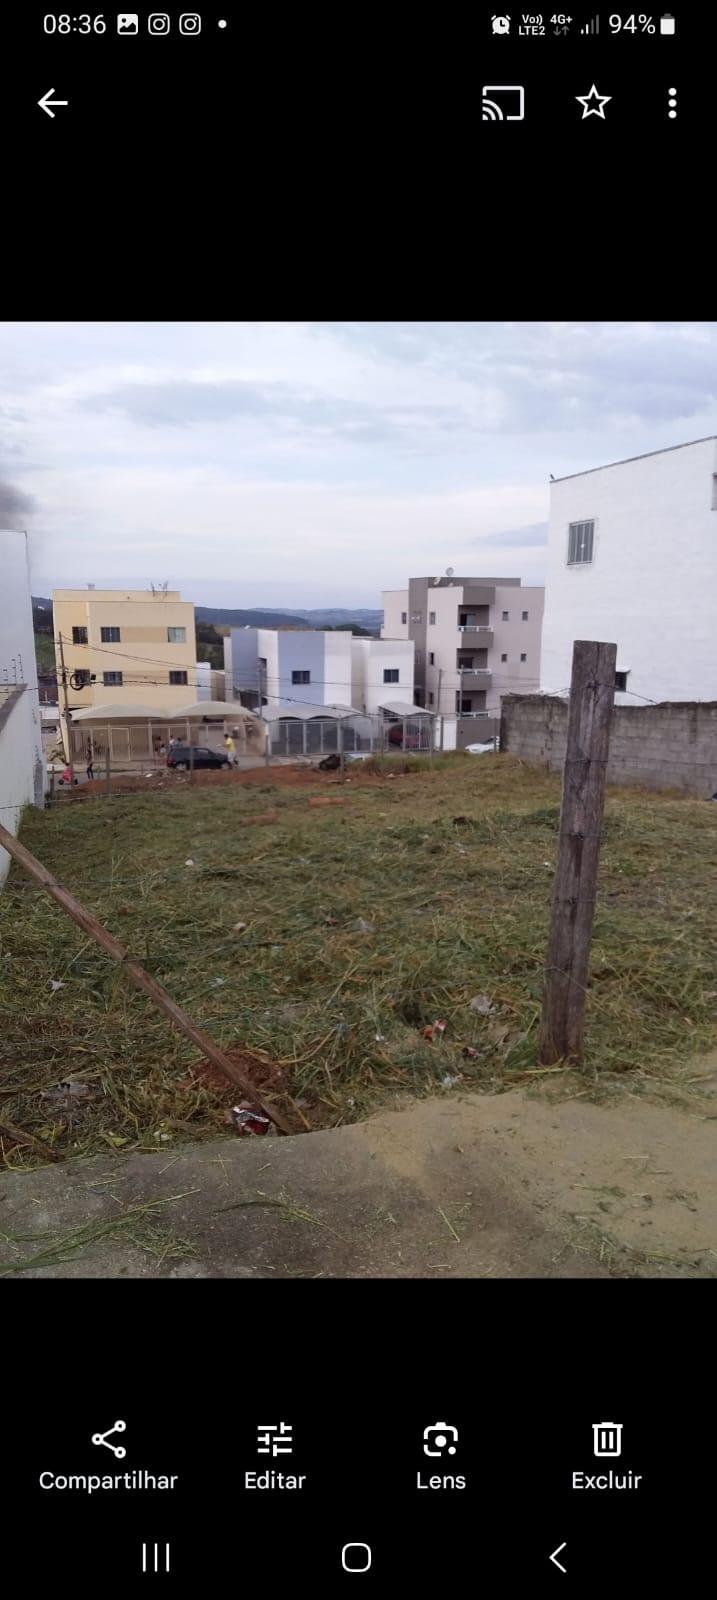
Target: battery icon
(667, 23)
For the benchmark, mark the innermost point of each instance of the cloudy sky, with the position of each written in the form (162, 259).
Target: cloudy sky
(301, 464)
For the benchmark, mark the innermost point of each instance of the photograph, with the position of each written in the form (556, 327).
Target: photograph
(358, 759)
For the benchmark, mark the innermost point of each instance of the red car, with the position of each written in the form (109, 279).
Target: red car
(407, 741)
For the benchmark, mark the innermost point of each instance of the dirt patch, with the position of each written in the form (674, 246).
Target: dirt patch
(490, 1186)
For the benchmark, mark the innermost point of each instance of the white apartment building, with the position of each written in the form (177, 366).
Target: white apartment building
(475, 639)
(632, 560)
(308, 666)
(22, 773)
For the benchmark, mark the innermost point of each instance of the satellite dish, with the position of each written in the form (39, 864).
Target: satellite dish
(450, 571)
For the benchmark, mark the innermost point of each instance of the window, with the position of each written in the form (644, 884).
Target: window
(504, 658)
(714, 491)
(620, 682)
(432, 658)
(431, 617)
(580, 542)
(176, 636)
(79, 636)
(110, 635)
(262, 661)
(177, 677)
(301, 677)
(416, 616)
(404, 616)
(112, 678)
(505, 616)
(390, 674)
(523, 656)
(525, 616)
(82, 677)
(430, 698)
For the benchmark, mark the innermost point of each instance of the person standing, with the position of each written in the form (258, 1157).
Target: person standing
(229, 747)
(90, 762)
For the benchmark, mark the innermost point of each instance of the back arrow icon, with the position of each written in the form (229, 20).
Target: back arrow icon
(46, 102)
(556, 1553)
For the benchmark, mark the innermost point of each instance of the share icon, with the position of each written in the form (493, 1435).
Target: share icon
(103, 1438)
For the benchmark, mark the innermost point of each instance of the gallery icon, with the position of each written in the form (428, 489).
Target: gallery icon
(607, 1438)
(190, 22)
(503, 102)
(440, 1439)
(158, 23)
(128, 22)
(274, 1439)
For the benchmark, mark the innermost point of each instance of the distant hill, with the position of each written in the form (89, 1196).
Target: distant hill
(327, 618)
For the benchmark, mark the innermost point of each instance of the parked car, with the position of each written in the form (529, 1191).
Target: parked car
(407, 741)
(487, 746)
(178, 756)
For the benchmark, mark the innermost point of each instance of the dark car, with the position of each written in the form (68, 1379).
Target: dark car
(179, 756)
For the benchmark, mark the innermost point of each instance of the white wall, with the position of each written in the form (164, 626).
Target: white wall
(395, 602)
(369, 659)
(651, 585)
(22, 778)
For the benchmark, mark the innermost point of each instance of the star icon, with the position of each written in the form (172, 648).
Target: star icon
(593, 104)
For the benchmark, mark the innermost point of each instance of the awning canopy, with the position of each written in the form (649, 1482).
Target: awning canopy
(119, 713)
(227, 710)
(403, 708)
(304, 711)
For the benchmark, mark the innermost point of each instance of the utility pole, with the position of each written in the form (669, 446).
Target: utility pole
(592, 694)
(267, 747)
(67, 711)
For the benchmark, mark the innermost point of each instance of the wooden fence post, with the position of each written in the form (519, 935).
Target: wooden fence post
(592, 693)
(191, 763)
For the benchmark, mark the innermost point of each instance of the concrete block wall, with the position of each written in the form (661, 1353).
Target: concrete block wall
(668, 746)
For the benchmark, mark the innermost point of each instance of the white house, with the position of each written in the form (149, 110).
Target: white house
(309, 666)
(288, 664)
(381, 672)
(22, 777)
(632, 560)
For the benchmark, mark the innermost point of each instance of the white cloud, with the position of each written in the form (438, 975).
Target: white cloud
(297, 462)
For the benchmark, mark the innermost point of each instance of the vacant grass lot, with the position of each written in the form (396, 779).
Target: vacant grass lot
(329, 938)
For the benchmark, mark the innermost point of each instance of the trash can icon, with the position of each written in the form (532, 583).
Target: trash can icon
(667, 23)
(607, 1438)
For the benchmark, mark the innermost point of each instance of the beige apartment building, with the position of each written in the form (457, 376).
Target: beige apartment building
(475, 639)
(125, 648)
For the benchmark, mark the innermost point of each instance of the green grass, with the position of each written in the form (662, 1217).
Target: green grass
(455, 908)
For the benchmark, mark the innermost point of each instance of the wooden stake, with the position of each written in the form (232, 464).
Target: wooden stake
(592, 693)
(179, 1018)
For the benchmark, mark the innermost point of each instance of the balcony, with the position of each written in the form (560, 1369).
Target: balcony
(474, 633)
(475, 678)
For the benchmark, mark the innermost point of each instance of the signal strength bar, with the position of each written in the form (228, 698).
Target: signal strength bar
(592, 27)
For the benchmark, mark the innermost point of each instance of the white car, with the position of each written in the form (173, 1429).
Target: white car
(487, 747)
